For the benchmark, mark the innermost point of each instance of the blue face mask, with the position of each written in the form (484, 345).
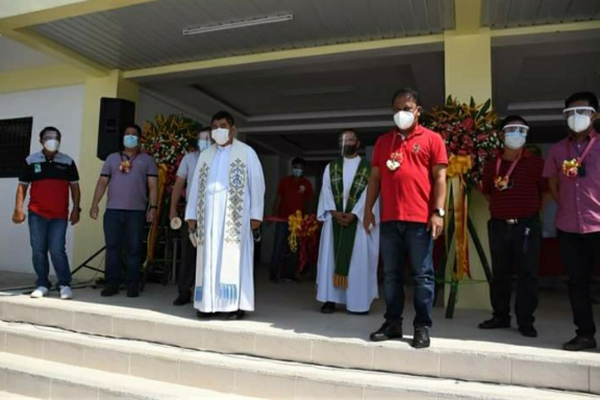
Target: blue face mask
(203, 144)
(130, 141)
(297, 172)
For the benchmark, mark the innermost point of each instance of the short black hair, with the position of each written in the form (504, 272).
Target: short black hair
(299, 161)
(134, 126)
(406, 91)
(223, 115)
(590, 97)
(350, 130)
(512, 118)
(50, 129)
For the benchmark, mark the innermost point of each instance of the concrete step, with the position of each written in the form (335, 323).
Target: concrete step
(32, 378)
(12, 396)
(234, 374)
(453, 359)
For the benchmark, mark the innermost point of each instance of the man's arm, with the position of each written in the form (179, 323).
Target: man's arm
(553, 186)
(76, 199)
(436, 223)
(98, 193)
(373, 190)
(153, 189)
(175, 196)
(19, 213)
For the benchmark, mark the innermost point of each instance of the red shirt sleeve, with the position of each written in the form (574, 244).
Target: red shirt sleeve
(438, 150)
(487, 186)
(376, 161)
(309, 190)
(551, 168)
(542, 182)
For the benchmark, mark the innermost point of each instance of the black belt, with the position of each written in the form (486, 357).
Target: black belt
(515, 221)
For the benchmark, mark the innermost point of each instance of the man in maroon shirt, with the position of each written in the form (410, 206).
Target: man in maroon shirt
(514, 185)
(572, 169)
(293, 193)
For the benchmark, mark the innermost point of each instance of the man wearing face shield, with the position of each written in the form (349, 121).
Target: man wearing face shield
(572, 169)
(225, 206)
(409, 171)
(52, 175)
(348, 256)
(185, 173)
(514, 185)
(131, 177)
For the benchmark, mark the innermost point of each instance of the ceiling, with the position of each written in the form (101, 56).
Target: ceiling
(499, 14)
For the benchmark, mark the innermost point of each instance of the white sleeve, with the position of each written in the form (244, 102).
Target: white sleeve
(256, 186)
(326, 201)
(191, 209)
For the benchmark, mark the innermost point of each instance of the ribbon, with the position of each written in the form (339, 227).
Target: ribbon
(503, 181)
(457, 167)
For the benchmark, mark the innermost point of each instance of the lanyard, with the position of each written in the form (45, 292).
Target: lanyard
(585, 151)
(510, 170)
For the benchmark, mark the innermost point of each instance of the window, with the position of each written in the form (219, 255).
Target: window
(15, 142)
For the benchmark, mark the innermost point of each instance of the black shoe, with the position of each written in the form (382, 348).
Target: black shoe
(421, 338)
(236, 315)
(528, 331)
(203, 315)
(328, 308)
(579, 343)
(133, 291)
(182, 300)
(386, 332)
(109, 291)
(494, 323)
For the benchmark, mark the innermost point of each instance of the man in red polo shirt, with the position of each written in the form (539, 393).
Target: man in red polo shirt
(52, 175)
(514, 185)
(409, 171)
(293, 193)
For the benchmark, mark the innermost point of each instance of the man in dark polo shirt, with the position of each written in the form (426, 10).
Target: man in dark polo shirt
(409, 171)
(51, 175)
(130, 176)
(293, 193)
(514, 185)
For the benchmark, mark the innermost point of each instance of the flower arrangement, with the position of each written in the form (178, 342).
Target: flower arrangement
(303, 236)
(167, 140)
(469, 131)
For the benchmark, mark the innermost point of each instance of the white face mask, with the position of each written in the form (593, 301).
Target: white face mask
(579, 123)
(220, 136)
(515, 140)
(130, 141)
(404, 119)
(52, 145)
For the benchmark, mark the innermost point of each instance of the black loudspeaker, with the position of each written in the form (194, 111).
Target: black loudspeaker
(115, 114)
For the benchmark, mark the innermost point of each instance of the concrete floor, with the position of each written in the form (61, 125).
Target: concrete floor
(291, 307)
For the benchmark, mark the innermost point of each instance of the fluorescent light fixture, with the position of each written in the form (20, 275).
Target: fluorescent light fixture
(536, 105)
(238, 24)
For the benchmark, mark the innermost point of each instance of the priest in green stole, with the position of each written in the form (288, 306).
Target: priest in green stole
(348, 256)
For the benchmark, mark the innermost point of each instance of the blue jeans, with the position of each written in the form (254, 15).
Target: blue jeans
(399, 240)
(123, 227)
(49, 235)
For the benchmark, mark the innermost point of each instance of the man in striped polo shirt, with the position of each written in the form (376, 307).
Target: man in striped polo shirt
(514, 185)
(52, 175)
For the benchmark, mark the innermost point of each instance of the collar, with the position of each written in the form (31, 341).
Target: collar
(593, 134)
(419, 130)
(525, 154)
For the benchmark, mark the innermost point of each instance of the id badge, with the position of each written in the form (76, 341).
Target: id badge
(37, 168)
(581, 171)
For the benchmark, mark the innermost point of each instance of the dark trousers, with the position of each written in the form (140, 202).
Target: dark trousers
(49, 236)
(281, 266)
(398, 242)
(517, 246)
(186, 278)
(580, 253)
(123, 228)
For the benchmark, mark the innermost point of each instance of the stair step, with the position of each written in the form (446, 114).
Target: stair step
(452, 359)
(12, 396)
(41, 379)
(237, 374)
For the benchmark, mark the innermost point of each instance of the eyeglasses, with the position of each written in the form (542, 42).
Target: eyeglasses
(515, 128)
(569, 112)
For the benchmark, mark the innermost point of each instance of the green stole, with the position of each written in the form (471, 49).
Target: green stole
(343, 236)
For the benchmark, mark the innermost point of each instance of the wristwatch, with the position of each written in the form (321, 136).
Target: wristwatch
(440, 212)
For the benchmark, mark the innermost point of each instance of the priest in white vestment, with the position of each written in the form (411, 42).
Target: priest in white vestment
(225, 205)
(348, 256)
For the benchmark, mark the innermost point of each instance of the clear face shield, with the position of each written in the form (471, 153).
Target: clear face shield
(348, 143)
(579, 119)
(515, 136)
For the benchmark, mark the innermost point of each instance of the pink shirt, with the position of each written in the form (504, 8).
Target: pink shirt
(578, 199)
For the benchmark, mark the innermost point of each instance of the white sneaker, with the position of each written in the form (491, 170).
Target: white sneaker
(40, 292)
(66, 293)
